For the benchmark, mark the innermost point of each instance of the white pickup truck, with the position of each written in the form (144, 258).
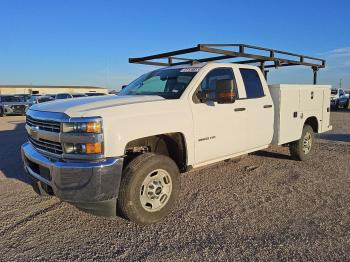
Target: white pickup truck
(124, 154)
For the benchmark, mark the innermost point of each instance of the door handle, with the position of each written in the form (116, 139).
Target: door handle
(239, 109)
(267, 106)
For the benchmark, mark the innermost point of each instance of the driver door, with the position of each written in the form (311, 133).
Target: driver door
(219, 129)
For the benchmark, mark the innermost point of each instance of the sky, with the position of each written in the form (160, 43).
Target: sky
(83, 42)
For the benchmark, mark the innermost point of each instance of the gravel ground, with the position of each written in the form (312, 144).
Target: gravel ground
(264, 207)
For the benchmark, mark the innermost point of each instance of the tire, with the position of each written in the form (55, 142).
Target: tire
(1, 112)
(149, 188)
(347, 104)
(300, 149)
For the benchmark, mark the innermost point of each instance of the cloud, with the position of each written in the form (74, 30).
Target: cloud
(338, 52)
(337, 59)
(337, 67)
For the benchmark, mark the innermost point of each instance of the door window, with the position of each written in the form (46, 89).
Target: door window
(209, 82)
(252, 83)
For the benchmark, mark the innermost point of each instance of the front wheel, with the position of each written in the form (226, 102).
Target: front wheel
(1, 112)
(149, 188)
(300, 149)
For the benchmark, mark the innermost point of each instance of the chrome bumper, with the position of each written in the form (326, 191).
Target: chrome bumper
(79, 183)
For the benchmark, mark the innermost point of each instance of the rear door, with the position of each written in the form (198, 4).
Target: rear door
(259, 108)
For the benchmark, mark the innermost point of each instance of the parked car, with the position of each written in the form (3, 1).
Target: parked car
(347, 93)
(39, 99)
(95, 94)
(12, 105)
(339, 98)
(63, 96)
(24, 97)
(127, 151)
(78, 95)
(51, 95)
(113, 92)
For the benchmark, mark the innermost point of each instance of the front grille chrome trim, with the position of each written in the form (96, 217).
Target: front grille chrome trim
(44, 131)
(51, 126)
(46, 146)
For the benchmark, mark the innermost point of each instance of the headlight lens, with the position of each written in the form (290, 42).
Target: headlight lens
(95, 148)
(82, 127)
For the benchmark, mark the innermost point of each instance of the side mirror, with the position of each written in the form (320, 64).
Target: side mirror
(202, 95)
(225, 93)
(123, 86)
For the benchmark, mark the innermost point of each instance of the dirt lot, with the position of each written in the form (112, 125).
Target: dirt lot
(265, 207)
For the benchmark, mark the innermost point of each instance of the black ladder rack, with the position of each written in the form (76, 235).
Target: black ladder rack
(266, 57)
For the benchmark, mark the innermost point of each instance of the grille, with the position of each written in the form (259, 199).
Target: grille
(47, 125)
(48, 146)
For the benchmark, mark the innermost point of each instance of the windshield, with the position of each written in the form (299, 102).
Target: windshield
(168, 83)
(334, 91)
(11, 99)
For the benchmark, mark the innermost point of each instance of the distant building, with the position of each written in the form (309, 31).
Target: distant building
(31, 89)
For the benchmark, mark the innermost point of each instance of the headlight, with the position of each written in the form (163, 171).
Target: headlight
(82, 127)
(70, 148)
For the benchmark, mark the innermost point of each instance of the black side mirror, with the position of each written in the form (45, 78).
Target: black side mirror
(202, 95)
(123, 86)
(225, 92)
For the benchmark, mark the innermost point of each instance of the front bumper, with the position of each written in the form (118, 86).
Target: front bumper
(92, 186)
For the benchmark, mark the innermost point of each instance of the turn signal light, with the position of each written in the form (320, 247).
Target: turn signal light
(94, 148)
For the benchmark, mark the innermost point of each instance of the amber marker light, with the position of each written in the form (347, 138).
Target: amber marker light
(94, 148)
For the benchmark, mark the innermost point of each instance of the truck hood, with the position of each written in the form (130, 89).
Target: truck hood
(77, 107)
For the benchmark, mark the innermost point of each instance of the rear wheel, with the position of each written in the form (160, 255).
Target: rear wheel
(300, 149)
(1, 112)
(149, 188)
(347, 104)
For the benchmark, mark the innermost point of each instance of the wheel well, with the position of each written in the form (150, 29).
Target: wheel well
(171, 144)
(312, 121)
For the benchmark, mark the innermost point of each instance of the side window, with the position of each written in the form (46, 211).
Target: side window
(209, 82)
(252, 83)
(341, 92)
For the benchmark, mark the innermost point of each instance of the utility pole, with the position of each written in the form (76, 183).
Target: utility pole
(340, 82)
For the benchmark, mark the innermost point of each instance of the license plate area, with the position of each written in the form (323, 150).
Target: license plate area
(40, 170)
